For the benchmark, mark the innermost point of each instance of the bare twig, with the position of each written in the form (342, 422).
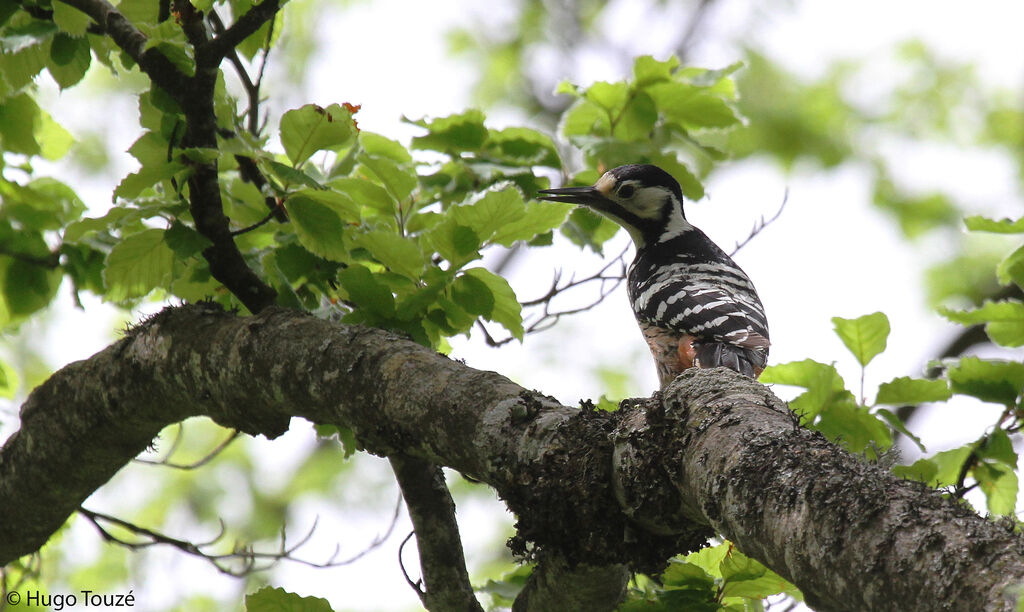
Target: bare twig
(762, 223)
(244, 555)
(166, 461)
(547, 318)
(692, 27)
(573, 282)
(401, 564)
(275, 213)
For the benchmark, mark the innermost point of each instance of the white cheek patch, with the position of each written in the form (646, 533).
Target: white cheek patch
(647, 203)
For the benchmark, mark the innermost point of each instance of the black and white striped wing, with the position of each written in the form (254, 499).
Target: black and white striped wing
(713, 302)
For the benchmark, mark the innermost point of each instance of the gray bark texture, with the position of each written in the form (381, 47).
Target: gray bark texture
(598, 491)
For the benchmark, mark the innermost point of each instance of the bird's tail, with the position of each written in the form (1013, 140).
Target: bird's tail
(747, 361)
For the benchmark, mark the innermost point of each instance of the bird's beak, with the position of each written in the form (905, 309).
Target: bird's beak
(587, 196)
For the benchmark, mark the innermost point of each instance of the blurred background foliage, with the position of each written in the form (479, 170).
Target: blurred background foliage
(869, 113)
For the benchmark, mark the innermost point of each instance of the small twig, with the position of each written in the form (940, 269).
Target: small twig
(608, 284)
(166, 462)
(696, 20)
(401, 564)
(244, 26)
(760, 225)
(252, 88)
(972, 458)
(547, 318)
(245, 555)
(597, 276)
(273, 214)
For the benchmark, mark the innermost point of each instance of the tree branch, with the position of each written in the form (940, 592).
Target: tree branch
(244, 27)
(195, 96)
(632, 487)
(133, 42)
(432, 510)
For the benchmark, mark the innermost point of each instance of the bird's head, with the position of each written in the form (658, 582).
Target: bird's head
(642, 198)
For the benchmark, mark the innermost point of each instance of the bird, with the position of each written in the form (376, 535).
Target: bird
(694, 305)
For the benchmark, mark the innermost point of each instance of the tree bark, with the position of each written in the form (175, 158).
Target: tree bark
(633, 487)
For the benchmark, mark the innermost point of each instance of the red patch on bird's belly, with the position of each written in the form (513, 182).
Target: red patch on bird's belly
(673, 352)
(686, 352)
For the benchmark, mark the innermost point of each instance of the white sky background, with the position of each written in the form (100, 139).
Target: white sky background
(831, 253)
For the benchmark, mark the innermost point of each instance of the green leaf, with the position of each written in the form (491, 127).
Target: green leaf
(398, 254)
(693, 107)
(637, 120)
(43, 204)
(27, 287)
(17, 38)
(897, 424)
(70, 57)
(461, 132)
(185, 241)
(70, 20)
(341, 203)
(473, 295)
(1001, 226)
(854, 427)
(585, 118)
(906, 390)
(319, 227)
(8, 380)
(998, 447)
(994, 381)
(138, 264)
(538, 218)
(18, 115)
(999, 483)
(710, 558)
(745, 577)
(940, 470)
(367, 292)
(865, 336)
(587, 228)
(399, 179)
(312, 128)
(498, 207)
(610, 97)
(684, 575)
(1004, 321)
(270, 599)
(507, 310)
(380, 146)
(456, 243)
(345, 436)
(289, 175)
(522, 146)
(365, 192)
(1011, 268)
(822, 381)
(647, 70)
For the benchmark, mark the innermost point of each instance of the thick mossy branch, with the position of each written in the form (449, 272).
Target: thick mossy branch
(589, 488)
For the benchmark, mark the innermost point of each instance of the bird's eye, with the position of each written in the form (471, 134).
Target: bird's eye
(626, 191)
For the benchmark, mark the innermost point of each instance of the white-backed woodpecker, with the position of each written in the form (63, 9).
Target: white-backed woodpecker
(695, 306)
